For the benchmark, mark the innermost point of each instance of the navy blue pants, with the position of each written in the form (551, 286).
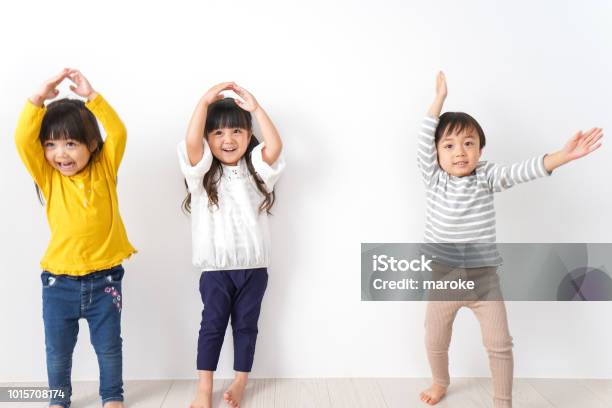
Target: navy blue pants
(95, 297)
(236, 293)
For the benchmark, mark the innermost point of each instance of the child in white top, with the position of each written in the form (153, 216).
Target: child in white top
(230, 181)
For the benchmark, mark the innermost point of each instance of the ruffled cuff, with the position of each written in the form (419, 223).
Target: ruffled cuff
(194, 174)
(269, 174)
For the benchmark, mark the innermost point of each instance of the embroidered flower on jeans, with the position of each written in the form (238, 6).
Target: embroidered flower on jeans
(115, 294)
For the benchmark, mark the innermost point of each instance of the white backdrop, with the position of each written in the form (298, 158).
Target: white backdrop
(347, 84)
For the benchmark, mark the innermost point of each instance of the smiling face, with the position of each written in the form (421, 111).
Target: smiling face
(228, 130)
(68, 156)
(459, 152)
(228, 145)
(70, 136)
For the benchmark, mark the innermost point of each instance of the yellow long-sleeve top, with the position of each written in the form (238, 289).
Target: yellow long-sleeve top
(87, 233)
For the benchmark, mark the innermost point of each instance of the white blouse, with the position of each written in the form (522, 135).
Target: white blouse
(234, 234)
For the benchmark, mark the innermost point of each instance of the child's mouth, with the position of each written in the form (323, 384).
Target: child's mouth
(461, 163)
(228, 149)
(66, 166)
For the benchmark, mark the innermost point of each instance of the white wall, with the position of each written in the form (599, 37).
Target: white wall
(346, 83)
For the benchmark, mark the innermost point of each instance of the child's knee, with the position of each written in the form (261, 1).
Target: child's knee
(499, 344)
(436, 342)
(108, 347)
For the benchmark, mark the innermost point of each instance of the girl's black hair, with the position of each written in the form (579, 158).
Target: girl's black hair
(70, 119)
(457, 122)
(225, 113)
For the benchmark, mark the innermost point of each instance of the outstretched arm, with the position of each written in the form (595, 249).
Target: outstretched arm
(502, 177)
(577, 147)
(195, 132)
(272, 141)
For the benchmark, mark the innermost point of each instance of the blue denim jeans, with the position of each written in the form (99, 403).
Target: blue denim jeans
(97, 298)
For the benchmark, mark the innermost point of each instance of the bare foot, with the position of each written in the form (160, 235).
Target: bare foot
(113, 404)
(233, 395)
(203, 398)
(433, 394)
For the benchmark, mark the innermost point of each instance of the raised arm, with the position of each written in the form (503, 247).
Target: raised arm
(441, 93)
(195, 131)
(273, 144)
(116, 133)
(577, 147)
(28, 131)
(427, 157)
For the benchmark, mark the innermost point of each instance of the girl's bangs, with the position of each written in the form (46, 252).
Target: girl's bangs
(62, 122)
(226, 114)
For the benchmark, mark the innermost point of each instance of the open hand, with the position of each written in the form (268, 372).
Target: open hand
(214, 93)
(81, 85)
(582, 144)
(441, 89)
(48, 89)
(247, 101)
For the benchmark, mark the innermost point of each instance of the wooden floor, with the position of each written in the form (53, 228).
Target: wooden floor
(349, 393)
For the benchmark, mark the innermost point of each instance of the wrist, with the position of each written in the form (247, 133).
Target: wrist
(563, 157)
(555, 160)
(37, 100)
(204, 102)
(257, 111)
(92, 95)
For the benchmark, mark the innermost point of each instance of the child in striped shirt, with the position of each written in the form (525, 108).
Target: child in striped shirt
(460, 214)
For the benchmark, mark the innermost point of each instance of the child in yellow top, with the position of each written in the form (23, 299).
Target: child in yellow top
(76, 173)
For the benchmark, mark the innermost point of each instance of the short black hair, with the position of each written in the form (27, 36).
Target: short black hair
(457, 122)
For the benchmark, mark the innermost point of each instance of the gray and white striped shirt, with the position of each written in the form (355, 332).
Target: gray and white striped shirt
(460, 225)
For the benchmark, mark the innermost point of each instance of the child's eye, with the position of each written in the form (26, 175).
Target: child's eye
(48, 145)
(237, 130)
(71, 144)
(448, 146)
(469, 143)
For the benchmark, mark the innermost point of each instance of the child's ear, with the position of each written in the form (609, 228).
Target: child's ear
(93, 146)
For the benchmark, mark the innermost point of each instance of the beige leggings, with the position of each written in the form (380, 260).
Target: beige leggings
(495, 336)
